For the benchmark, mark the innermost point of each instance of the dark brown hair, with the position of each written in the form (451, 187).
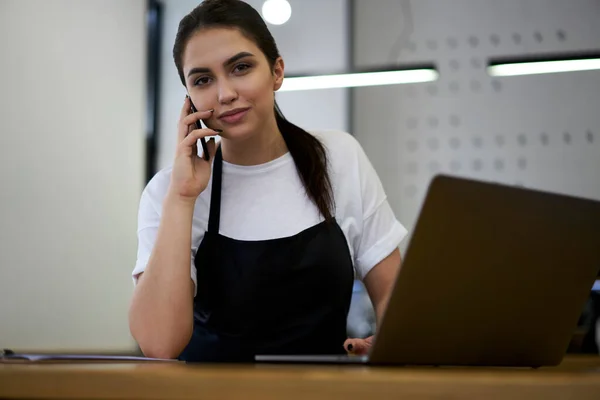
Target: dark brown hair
(308, 152)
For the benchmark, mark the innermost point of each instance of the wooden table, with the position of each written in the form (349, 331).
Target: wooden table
(576, 378)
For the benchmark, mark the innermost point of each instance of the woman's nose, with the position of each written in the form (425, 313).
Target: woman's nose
(227, 92)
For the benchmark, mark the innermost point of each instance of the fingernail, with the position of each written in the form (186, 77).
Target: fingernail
(218, 130)
(212, 110)
(350, 347)
(187, 97)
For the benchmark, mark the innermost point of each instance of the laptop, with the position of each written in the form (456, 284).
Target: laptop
(494, 275)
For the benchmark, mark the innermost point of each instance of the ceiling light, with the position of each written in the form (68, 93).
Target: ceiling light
(544, 64)
(359, 79)
(276, 12)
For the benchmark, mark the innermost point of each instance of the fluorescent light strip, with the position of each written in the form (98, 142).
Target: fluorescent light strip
(359, 79)
(543, 67)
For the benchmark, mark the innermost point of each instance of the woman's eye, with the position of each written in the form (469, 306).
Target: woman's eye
(241, 67)
(201, 81)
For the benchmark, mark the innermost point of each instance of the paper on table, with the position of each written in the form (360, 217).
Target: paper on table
(75, 357)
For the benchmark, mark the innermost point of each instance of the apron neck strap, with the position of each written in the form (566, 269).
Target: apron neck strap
(215, 195)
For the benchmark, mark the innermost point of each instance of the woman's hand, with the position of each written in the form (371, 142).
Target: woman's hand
(358, 347)
(191, 173)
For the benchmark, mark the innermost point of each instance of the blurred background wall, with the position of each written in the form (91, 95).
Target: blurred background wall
(73, 128)
(72, 112)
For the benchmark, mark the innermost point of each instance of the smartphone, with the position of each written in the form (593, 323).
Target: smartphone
(205, 154)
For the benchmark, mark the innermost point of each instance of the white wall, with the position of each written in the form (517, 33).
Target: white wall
(537, 131)
(312, 41)
(71, 170)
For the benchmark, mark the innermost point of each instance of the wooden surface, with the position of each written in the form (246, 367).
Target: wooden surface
(576, 378)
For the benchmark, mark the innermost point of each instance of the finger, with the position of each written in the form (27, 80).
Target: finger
(366, 344)
(182, 129)
(361, 347)
(350, 346)
(185, 109)
(195, 135)
(193, 117)
(357, 346)
(182, 134)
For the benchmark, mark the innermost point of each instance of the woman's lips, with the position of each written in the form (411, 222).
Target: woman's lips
(234, 118)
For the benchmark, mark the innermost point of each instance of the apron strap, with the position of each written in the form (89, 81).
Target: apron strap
(215, 195)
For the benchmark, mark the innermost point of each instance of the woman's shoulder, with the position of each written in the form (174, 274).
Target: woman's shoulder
(340, 145)
(334, 136)
(345, 159)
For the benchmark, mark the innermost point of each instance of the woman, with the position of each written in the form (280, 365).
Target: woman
(278, 220)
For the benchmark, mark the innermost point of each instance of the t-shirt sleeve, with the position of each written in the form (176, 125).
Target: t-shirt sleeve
(381, 232)
(149, 215)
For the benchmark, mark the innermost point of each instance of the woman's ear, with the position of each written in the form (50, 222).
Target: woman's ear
(278, 73)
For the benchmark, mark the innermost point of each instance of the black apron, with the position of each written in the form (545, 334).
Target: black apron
(282, 296)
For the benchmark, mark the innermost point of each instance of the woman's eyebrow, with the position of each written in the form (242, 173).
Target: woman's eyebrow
(229, 61)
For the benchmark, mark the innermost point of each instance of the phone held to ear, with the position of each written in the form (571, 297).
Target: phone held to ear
(205, 154)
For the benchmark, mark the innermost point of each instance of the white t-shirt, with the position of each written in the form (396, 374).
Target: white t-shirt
(268, 201)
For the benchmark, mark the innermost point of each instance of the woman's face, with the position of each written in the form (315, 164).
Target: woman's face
(228, 72)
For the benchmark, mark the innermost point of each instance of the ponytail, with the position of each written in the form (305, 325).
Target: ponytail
(310, 157)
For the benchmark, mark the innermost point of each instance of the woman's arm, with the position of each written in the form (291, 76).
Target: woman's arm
(380, 281)
(161, 311)
(161, 315)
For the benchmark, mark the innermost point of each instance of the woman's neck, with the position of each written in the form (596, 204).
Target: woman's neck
(264, 146)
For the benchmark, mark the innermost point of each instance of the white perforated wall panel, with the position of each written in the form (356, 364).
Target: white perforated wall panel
(539, 131)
